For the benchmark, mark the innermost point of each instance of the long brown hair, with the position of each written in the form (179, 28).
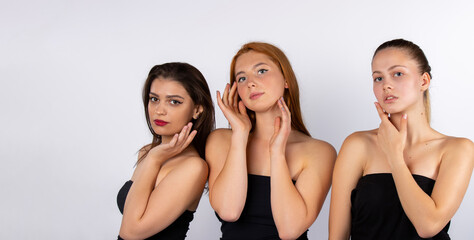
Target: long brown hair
(291, 94)
(196, 86)
(415, 52)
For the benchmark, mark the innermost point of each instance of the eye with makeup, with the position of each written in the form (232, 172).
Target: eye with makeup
(262, 71)
(153, 99)
(241, 79)
(175, 102)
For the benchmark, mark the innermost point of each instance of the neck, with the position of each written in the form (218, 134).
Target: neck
(166, 139)
(418, 128)
(265, 123)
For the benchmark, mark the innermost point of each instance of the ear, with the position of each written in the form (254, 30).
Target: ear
(425, 81)
(197, 111)
(286, 84)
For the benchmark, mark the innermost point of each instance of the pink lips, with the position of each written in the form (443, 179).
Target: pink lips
(160, 122)
(254, 96)
(390, 99)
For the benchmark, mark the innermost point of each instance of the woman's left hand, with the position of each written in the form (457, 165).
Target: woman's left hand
(178, 143)
(282, 129)
(391, 140)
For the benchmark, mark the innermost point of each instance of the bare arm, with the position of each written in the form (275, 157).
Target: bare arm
(429, 214)
(149, 209)
(347, 172)
(226, 154)
(295, 207)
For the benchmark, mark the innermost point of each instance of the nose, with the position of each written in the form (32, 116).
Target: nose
(160, 109)
(387, 85)
(251, 82)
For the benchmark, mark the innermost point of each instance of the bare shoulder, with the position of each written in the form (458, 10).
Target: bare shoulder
(355, 151)
(218, 145)
(459, 144)
(192, 165)
(360, 141)
(305, 145)
(219, 136)
(362, 137)
(459, 147)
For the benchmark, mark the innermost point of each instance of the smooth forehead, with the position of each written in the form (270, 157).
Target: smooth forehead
(392, 56)
(250, 59)
(168, 86)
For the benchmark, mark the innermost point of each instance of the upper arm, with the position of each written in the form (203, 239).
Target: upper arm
(348, 170)
(453, 179)
(314, 181)
(217, 147)
(180, 188)
(141, 154)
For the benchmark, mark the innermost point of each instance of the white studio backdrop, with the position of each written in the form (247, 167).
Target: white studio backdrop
(71, 75)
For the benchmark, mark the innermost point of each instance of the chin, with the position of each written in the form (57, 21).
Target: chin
(164, 133)
(262, 106)
(393, 111)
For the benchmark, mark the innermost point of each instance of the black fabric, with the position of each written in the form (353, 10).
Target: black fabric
(377, 212)
(256, 220)
(176, 231)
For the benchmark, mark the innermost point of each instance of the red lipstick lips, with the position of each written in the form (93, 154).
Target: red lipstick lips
(160, 123)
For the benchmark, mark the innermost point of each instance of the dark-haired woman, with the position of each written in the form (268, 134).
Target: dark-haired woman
(268, 178)
(403, 180)
(160, 199)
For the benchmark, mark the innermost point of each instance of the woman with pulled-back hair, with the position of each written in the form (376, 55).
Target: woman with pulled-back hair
(268, 178)
(160, 199)
(403, 180)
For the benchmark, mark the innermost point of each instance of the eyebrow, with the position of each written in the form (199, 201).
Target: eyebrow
(255, 66)
(167, 96)
(390, 68)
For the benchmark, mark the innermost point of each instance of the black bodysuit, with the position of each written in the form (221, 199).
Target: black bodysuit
(176, 231)
(256, 220)
(377, 212)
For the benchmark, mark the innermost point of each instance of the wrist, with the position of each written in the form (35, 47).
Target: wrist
(396, 161)
(240, 136)
(277, 154)
(154, 158)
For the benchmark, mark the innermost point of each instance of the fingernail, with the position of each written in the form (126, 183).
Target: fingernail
(405, 116)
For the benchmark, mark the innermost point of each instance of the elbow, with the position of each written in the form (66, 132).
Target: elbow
(227, 211)
(128, 233)
(229, 215)
(289, 234)
(428, 230)
(425, 233)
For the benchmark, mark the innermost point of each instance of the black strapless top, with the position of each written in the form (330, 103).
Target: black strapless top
(256, 220)
(377, 212)
(176, 231)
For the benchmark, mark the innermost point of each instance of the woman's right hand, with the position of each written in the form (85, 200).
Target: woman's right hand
(234, 110)
(178, 143)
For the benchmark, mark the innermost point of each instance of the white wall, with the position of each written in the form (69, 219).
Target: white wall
(71, 74)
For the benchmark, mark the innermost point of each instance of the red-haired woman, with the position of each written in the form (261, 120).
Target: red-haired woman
(268, 178)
